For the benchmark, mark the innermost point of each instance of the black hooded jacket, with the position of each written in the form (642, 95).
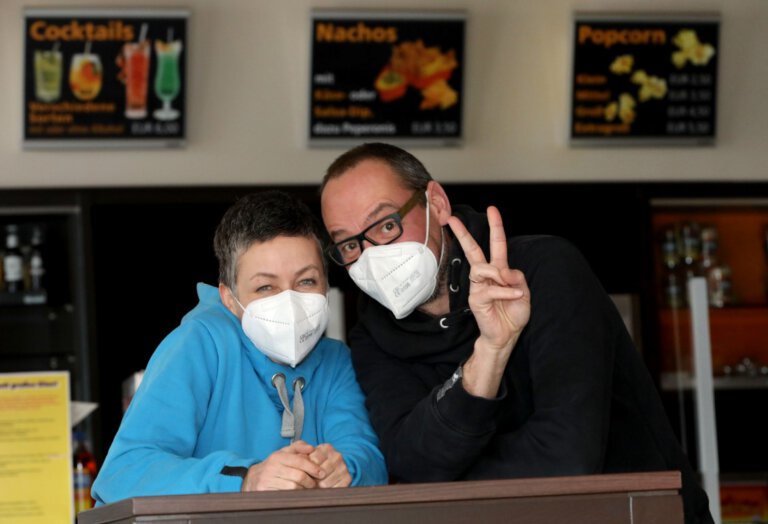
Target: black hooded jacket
(576, 397)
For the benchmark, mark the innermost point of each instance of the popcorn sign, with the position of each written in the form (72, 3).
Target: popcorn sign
(644, 78)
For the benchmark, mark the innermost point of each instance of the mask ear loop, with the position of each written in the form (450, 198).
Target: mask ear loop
(238, 302)
(442, 234)
(426, 236)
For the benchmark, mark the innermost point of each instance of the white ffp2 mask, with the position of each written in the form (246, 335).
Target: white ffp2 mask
(286, 327)
(399, 276)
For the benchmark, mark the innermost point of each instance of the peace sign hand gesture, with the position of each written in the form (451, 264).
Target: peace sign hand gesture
(500, 301)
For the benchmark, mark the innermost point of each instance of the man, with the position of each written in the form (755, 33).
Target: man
(481, 356)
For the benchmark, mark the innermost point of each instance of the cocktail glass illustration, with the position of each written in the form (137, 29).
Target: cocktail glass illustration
(136, 75)
(167, 77)
(48, 66)
(85, 75)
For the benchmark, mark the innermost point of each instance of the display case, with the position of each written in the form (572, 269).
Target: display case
(42, 293)
(724, 245)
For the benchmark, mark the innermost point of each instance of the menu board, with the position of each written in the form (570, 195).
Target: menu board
(104, 77)
(36, 485)
(386, 75)
(644, 79)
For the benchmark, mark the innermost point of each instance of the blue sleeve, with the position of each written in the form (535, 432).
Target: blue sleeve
(152, 453)
(347, 428)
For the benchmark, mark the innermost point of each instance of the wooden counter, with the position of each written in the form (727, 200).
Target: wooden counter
(640, 498)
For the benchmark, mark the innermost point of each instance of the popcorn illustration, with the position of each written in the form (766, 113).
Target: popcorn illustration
(622, 64)
(691, 50)
(626, 108)
(650, 86)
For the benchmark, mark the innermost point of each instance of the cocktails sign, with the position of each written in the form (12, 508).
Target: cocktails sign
(104, 77)
(386, 75)
(644, 79)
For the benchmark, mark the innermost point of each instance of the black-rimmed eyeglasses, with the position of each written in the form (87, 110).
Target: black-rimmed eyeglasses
(384, 231)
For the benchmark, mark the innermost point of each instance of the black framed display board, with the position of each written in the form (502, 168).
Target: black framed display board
(389, 75)
(104, 78)
(644, 79)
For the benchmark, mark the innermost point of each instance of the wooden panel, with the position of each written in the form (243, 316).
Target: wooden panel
(586, 509)
(657, 509)
(588, 499)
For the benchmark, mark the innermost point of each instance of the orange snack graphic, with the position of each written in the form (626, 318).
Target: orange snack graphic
(438, 94)
(424, 68)
(390, 84)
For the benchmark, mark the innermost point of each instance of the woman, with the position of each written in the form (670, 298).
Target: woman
(245, 394)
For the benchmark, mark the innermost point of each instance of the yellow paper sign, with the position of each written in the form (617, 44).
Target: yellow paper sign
(35, 449)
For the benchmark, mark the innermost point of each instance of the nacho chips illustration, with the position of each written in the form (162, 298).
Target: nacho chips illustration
(438, 94)
(424, 68)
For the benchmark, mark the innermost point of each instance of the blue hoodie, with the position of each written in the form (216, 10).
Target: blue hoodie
(206, 401)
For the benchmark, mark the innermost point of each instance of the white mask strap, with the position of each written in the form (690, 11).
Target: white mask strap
(442, 246)
(442, 233)
(426, 237)
(238, 302)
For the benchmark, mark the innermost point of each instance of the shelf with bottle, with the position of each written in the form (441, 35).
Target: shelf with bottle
(22, 267)
(727, 244)
(83, 472)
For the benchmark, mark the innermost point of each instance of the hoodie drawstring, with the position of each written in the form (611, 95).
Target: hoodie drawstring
(293, 419)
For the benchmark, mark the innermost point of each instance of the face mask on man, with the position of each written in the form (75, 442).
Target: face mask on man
(286, 327)
(399, 276)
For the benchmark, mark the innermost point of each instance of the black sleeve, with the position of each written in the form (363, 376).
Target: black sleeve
(423, 439)
(569, 348)
(559, 387)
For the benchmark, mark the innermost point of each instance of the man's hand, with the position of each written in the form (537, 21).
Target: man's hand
(332, 463)
(500, 301)
(286, 468)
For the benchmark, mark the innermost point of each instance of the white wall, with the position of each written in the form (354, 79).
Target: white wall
(249, 127)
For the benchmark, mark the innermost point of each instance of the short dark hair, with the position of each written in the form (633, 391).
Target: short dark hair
(259, 217)
(411, 171)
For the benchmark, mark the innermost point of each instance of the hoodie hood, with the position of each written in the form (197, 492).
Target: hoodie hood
(420, 336)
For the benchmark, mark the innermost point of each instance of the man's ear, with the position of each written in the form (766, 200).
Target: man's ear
(438, 202)
(228, 300)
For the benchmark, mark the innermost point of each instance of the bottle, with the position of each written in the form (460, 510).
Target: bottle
(12, 261)
(671, 255)
(84, 472)
(718, 276)
(691, 241)
(674, 290)
(719, 286)
(36, 269)
(669, 250)
(709, 246)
